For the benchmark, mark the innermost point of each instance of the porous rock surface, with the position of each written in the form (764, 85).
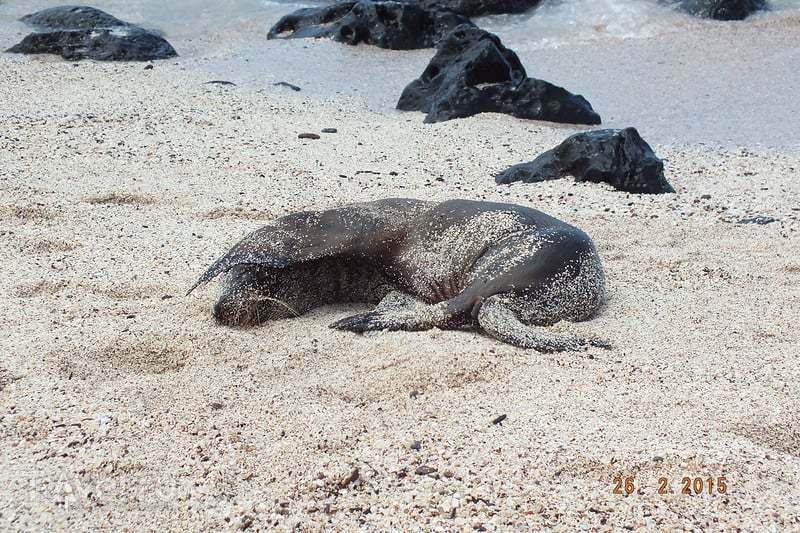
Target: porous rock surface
(72, 18)
(473, 8)
(722, 9)
(472, 72)
(393, 25)
(75, 32)
(618, 157)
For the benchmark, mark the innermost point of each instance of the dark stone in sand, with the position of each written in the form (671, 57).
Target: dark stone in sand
(88, 33)
(393, 25)
(473, 8)
(286, 84)
(103, 44)
(760, 220)
(721, 9)
(472, 72)
(619, 157)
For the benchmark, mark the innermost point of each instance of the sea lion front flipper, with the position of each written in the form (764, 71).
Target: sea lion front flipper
(308, 235)
(501, 323)
(398, 311)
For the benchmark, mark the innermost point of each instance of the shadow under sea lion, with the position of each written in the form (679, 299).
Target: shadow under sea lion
(508, 269)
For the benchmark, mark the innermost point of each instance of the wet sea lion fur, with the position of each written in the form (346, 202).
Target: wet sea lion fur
(508, 269)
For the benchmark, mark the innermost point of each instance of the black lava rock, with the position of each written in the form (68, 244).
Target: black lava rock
(721, 9)
(393, 25)
(123, 43)
(72, 18)
(472, 72)
(473, 8)
(619, 157)
(88, 33)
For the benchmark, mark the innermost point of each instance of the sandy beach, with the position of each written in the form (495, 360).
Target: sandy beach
(124, 407)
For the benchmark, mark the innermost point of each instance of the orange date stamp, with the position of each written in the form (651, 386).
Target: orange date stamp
(689, 485)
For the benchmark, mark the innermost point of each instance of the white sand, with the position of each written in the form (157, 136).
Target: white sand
(122, 405)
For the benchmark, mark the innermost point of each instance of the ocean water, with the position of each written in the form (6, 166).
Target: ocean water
(553, 23)
(557, 23)
(639, 62)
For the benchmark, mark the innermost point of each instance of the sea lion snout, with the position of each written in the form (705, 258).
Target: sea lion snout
(248, 298)
(229, 311)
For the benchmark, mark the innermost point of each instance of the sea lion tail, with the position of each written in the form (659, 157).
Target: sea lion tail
(223, 264)
(207, 276)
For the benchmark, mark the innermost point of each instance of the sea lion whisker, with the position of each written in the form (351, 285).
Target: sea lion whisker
(288, 307)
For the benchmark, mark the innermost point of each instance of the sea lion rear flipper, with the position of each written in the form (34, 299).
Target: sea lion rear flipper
(501, 323)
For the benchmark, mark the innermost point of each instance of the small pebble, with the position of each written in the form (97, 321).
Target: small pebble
(416, 445)
(285, 84)
(245, 521)
(308, 136)
(424, 470)
(353, 476)
(757, 220)
(329, 130)
(499, 419)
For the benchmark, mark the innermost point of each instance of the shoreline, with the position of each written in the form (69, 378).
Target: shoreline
(691, 81)
(673, 87)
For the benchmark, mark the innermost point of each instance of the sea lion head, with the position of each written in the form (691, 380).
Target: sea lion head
(253, 294)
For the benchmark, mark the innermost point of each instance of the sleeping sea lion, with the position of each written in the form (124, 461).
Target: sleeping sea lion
(505, 268)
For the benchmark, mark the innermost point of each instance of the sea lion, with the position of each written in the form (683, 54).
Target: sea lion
(506, 268)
